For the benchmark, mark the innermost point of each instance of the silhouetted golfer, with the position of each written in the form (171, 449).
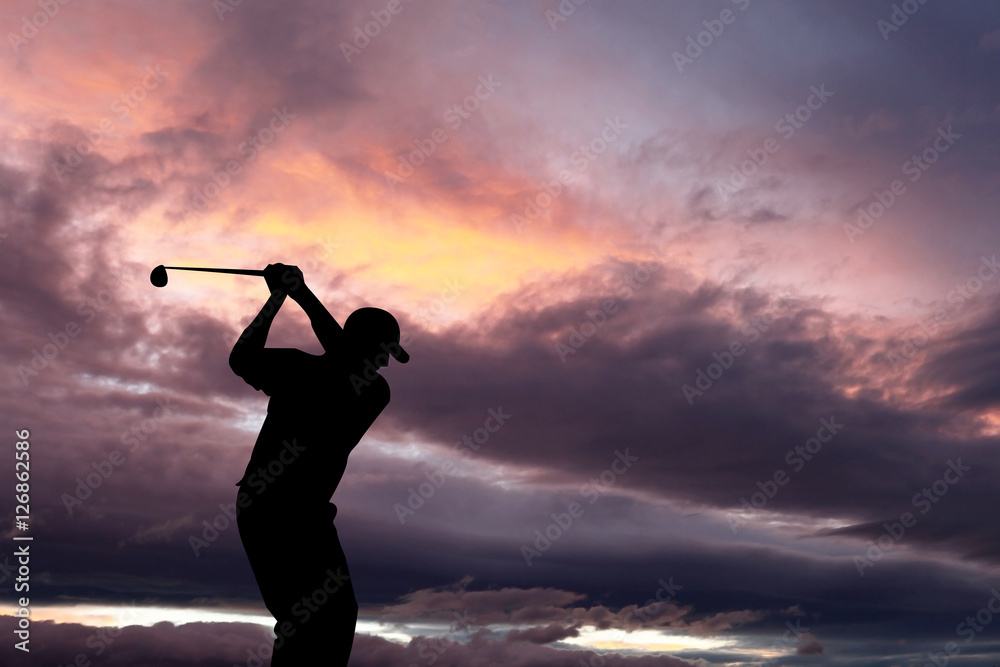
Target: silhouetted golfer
(320, 407)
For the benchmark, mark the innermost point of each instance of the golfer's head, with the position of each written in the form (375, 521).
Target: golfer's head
(374, 334)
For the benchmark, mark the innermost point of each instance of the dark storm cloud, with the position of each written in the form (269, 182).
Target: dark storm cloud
(484, 651)
(889, 99)
(623, 388)
(811, 646)
(38, 212)
(620, 390)
(543, 635)
(624, 385)
(226, 644)
(163, 644)
(966, 361)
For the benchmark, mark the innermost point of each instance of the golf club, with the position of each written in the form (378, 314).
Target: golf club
(158, 276)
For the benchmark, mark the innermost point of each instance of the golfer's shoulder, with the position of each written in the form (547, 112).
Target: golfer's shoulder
(289, 363)
(267, 369)
(272, 356)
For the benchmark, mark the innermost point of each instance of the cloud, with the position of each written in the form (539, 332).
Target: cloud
(225, 644)
(208, 644)
(809, 646)
(717, 623)
(78, 246)
(990, 41)
(543, 634)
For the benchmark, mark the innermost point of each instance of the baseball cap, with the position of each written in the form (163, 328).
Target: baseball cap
(377, 325)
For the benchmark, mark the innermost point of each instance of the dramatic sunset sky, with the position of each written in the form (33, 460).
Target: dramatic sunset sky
(710, 287)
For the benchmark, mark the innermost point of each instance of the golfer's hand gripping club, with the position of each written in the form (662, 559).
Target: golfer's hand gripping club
(283, 279)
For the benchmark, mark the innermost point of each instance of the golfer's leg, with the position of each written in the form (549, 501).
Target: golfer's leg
(269, 563)
(326, 611)
(343, 607)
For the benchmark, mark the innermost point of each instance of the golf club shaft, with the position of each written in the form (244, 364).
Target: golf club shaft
(241, 272)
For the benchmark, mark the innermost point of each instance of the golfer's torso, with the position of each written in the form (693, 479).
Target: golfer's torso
(312, 425)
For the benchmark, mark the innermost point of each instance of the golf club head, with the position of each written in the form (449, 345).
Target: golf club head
(158, 276)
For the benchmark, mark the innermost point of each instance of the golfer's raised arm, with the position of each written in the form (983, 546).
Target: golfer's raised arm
(327, 329)
(253, 338)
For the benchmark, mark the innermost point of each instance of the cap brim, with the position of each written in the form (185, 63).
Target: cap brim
(401, 356)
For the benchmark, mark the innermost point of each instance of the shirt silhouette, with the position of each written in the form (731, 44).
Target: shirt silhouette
(320, 407)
